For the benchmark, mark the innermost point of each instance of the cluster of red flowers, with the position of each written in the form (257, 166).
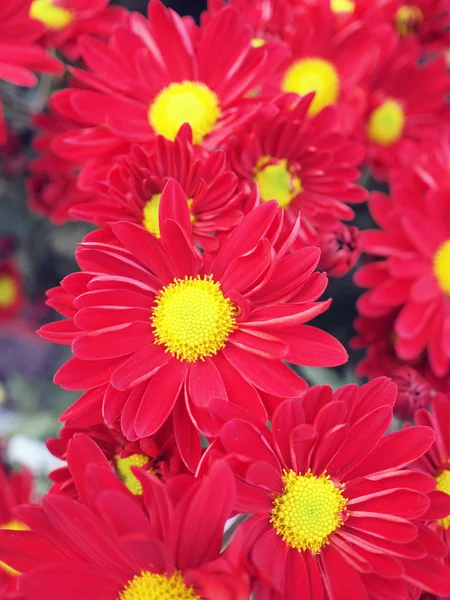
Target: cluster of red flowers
(219, 162)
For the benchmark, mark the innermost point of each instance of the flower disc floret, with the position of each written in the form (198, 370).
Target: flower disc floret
(342, 6)
(123, 468)
(387, 122)
(443, 485)
(152, 586)
(50, 14)
(308, 511)
(441, 266)
(192, 318)
(186, 102)
(276, 181)
(313, 75)
(8, 291)
(408, 19)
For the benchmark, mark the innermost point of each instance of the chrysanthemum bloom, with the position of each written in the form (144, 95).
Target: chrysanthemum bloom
(436, 462)
(65, 20)
(11, 294)
(164, 332)
(312, 172)
(426, 20)
(20, 55)
(164, 80)
(157, 454)
(134, 186)
(332, 63)
(15, 488)
(413, 278)
(339, 250)
(406, 102)
(335, 512)
(114, 549)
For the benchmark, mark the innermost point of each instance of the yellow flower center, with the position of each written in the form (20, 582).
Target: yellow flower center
(386, 123)
(276, 181)
(50, 14)
(123, 468)
(151, 586)
(313, 75)
(443, 485)
(187, 102)
(8, 291)
(13, 526)
(342, 6)
(151, 214)
(257, 42)
(441, 266)
(308, 511)
(192, 318)
(408, 20)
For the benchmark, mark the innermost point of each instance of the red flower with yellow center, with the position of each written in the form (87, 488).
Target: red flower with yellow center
(11, 294)
(66, 20)
(336, 513)
(436, 462)
(15, 489)
(164, 79)
(334, 63)
(114, 548)
(133, 189)
(413, 277)
(157, 332)
(157, 454)
(312, 173)
(20, 54)
(425, 20)
(406, 103)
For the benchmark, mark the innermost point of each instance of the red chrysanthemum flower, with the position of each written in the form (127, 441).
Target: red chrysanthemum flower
(335, 512)
(165, 331)
(20, 55)
(413, 278)
(157, 454)
(164, 80)
(11, 294)
(133, 189)
(15, 488)
(436, 462)
(335, 64)
(426, 20)
(113, 548)
(406, 103)
(312, 172)
(66, 20)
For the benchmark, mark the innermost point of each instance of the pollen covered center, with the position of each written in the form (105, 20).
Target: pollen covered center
(441, 266)
(123, 468)
(443, 485)
(276, 181)
(12, 526)
(308, 511)
(150, 214)
(386, 123)
(50, 14)
(342, 6)
(408, 20)
(153, 586)
(192, 318)
(187, 102)
(8, 291)
(313, 75)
